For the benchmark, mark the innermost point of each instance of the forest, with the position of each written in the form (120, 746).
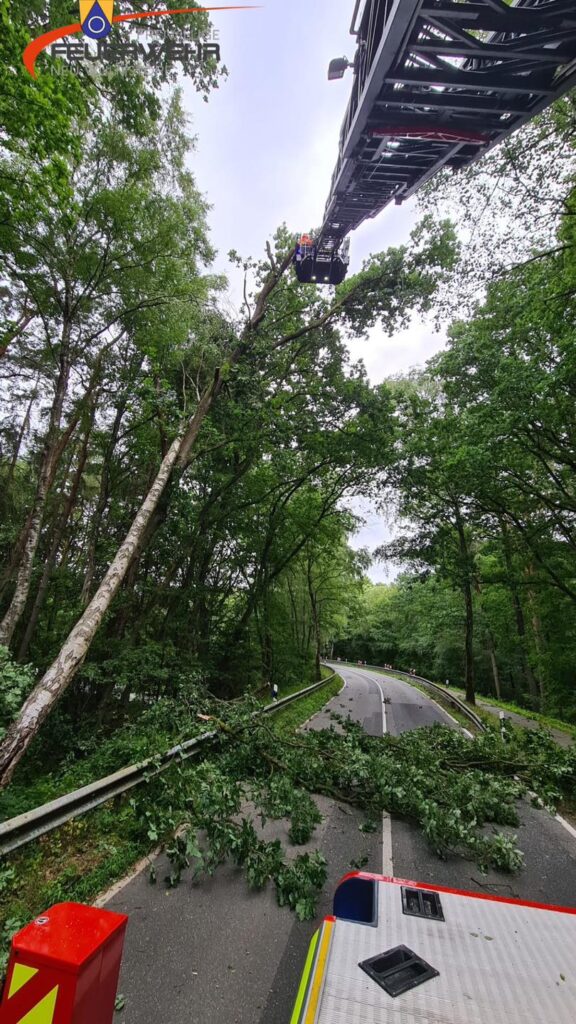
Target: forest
(482, 482)
(179, 485)
(183, 479)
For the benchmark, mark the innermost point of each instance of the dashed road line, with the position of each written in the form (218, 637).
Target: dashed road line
(387, 862)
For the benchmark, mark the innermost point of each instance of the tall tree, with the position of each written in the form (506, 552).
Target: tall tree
(384, 291)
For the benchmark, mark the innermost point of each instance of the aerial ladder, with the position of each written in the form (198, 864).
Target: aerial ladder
(436, 83)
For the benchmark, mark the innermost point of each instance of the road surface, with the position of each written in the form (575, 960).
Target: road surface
(219, 954)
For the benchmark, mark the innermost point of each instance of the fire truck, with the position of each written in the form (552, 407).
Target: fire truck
(402, 952)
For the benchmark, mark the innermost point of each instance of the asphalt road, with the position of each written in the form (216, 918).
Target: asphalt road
(216, 953)
(368, 692)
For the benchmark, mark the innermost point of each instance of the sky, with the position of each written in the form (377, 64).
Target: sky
(267, 143)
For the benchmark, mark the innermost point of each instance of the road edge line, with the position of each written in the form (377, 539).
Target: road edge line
(566, 824)
(387, 861)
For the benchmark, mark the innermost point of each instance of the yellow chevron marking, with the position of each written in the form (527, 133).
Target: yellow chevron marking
(20, 975)
(43, 1012)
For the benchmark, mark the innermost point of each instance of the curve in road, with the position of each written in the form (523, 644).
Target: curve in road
(216, 953)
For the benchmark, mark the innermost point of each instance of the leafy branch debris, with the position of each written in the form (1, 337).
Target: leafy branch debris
(460, 793)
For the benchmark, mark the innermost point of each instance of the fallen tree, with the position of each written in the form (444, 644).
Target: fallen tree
(448, 786)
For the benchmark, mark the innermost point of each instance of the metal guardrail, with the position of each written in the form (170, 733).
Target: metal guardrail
(26, 827)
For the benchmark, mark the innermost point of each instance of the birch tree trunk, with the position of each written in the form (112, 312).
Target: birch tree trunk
(69, 504)
(58, 677)
(53, 448)
(24, 429)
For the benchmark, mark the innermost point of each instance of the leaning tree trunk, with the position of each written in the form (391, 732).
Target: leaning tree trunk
(56, 680)
(34, 527)
(58, 677)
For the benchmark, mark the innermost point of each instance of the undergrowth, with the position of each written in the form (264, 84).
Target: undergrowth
(155, 728)
(79, 860)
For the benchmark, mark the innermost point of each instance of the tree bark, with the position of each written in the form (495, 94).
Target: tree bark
(494, 664)
(23, 430)
(490, 647)
(469, 674)
(56, 541)
(53, 448)
(30, 543)
(58, 677)
(527, 672)
(315, 622)
(537, 631)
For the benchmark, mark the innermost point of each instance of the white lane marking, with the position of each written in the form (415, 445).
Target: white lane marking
(566, 824)
(557, 817)
(387, 863)
(383, 706)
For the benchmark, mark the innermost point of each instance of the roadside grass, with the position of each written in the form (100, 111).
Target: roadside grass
(89, 854)
(288, 689)
(73, 863)
(546, 720)
(292, 717)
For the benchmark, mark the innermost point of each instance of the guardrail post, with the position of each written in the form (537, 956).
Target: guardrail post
(64, 967)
